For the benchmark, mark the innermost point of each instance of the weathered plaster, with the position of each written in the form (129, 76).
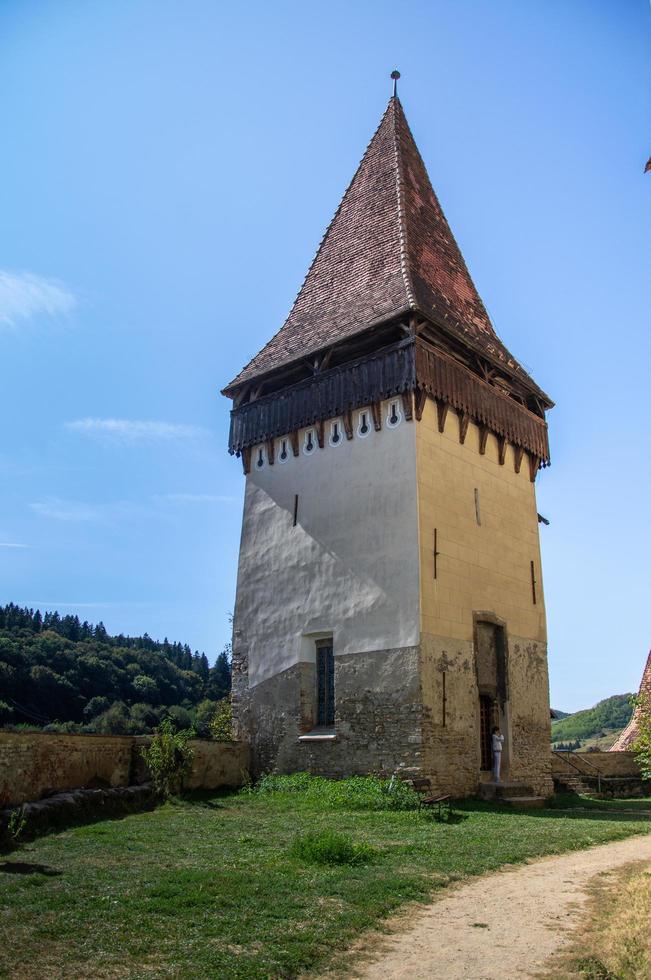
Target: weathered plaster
(349, 568)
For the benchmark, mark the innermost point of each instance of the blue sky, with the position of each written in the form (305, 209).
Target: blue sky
(168, 169)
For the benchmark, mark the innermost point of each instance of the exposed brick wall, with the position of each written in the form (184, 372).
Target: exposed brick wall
(35, 765)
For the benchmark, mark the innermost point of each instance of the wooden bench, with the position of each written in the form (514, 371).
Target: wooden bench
(442, 802)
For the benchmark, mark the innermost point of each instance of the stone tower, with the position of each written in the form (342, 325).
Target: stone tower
(389, 597)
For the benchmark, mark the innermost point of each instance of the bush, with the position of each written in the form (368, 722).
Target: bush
(221, 726)
(168, 758)
(329, 847)
(354, 793)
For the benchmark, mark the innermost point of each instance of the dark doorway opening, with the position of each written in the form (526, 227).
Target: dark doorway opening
(488, 714)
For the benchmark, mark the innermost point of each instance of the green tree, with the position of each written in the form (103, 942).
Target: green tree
(146, 688)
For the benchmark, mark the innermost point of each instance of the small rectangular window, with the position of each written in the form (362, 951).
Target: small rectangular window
(325, 684)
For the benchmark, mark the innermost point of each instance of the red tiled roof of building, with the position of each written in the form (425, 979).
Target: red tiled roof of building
(388, 250)
(631, 732)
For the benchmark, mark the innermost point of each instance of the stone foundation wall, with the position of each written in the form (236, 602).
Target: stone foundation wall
(34, 765)
(378, 717)
(451, 751)
(530, 728)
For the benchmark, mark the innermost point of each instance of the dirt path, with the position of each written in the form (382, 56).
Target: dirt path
(501, 926)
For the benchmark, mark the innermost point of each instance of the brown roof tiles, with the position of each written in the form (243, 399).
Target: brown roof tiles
(388, 250)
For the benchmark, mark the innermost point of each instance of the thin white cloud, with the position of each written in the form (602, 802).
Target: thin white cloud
(24, 295)
(12, 544)
(69, 510)
(128, 431)
(194, 498)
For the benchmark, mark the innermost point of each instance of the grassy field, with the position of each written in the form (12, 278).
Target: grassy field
(216, 887)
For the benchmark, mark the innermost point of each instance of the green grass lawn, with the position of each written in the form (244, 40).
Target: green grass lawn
(213, 887)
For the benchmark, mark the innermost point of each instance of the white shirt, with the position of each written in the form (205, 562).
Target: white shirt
(497, 743)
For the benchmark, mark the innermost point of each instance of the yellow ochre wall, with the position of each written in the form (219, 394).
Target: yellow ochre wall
(481, 569)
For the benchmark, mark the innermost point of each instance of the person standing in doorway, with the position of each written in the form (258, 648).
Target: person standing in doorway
(498, 743)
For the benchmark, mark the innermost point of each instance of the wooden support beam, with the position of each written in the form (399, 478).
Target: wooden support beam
(534, 463)
(501, 449)
(270, 451)
(376, 412)
(407, 405)
(320, 433)
(518, 453)
(464, 420)
(419, 403)
(246, 460)
(442, 413)
(293, 438)
(256, 392)
(347, 417)
(483, 437)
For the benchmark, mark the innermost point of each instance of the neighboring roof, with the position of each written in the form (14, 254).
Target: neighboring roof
(387, 251)
(632, 730)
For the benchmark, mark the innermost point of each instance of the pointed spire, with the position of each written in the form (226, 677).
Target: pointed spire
(388, 251)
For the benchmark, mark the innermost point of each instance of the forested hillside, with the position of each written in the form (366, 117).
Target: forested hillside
(60, 674)
(597, 725)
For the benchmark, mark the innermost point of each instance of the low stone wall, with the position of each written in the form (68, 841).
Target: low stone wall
(35, 764)
(620, 764)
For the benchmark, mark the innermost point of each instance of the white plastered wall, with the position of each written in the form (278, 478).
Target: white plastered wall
(350, 566)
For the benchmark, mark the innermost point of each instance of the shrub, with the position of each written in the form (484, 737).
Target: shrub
(330, 847)
(168, 758)
(354, 793)
(221, 726)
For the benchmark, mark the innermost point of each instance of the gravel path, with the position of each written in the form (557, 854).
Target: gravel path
(500, 926)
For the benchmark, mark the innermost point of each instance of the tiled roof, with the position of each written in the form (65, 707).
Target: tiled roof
(631, 732)
(388, 250)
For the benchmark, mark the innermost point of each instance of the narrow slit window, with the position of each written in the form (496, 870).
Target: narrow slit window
(295, 521)
(477, 509)
(283, 451)
(336, 434)
(364, 427)
(533, 583)
(325, 684)
(260, 460)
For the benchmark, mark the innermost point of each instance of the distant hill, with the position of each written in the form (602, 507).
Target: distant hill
(60, 674)
(596, 727)
(561, 714)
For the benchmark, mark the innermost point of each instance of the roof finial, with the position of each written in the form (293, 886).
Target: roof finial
(395, 75)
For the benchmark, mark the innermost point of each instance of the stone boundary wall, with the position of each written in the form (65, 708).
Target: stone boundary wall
(620, 764)
(38, 764)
